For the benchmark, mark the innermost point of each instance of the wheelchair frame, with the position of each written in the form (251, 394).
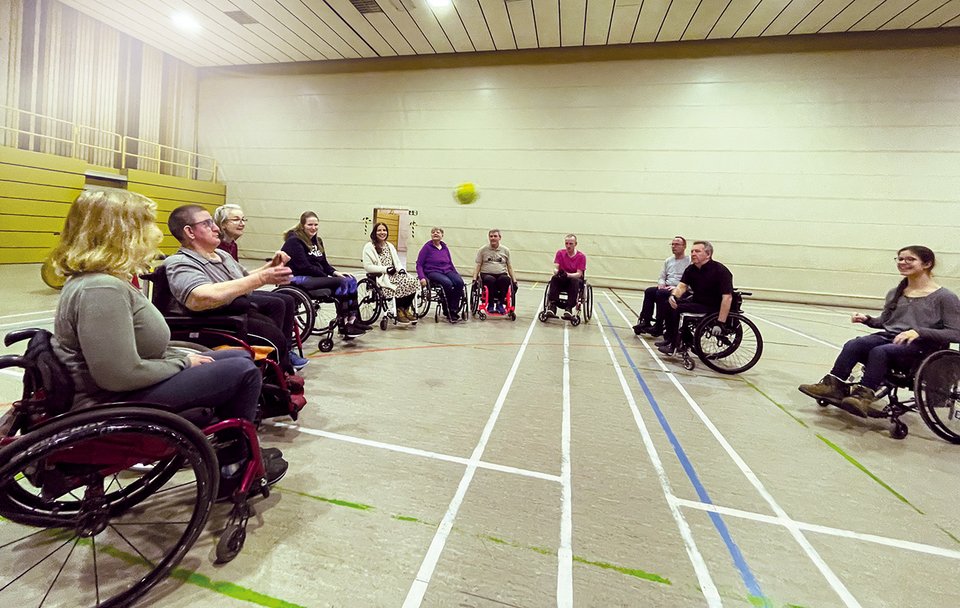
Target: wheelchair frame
(55, 463)
(928, 395)
(480, 299)
(376, 303)
(308, 312)
(432, 295)
(713, 350)
(584, 307)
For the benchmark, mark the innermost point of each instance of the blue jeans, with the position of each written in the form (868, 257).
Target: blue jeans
(452, 285)
(878, 353)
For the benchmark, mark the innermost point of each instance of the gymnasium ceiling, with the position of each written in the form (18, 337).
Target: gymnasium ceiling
(252, 32)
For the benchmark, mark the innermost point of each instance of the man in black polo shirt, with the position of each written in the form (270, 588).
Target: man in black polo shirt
(711, 287)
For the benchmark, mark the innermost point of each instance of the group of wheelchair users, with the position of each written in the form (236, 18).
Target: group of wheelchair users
(114, 341)
(919, 317)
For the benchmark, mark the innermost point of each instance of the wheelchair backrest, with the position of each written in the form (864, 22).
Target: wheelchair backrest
(160, 293)
(47, 385)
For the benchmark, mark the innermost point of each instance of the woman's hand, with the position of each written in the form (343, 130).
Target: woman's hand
(423, 282)
(195, 360)
(279, 258)
(906, 337)
(859, 318)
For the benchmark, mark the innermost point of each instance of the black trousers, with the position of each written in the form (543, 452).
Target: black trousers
(497, 284)
(671, 324)
(655, 297)
(280, 308)
(558, 285)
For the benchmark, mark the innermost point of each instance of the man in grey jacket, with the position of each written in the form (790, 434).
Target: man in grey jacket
(657, 295)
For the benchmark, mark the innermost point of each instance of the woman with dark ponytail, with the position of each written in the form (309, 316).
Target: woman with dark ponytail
(919, 317)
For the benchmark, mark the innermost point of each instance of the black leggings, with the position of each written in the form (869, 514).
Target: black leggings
(497, 284)
(346, 304)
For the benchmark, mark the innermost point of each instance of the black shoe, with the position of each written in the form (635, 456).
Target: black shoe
(639, 329)
(655, 330)
(666, 349)
(663, 342)
(275, 469)
(566, 315)
(270, 453)
(362, 325)
(352, 331)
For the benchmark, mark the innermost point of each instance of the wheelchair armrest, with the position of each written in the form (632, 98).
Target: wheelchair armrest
(19, 335)
(13, 361)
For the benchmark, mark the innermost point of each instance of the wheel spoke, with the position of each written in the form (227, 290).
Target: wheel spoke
(5, 545)
(96, 574)
(38, 562)
(142, 556)
(60, 571)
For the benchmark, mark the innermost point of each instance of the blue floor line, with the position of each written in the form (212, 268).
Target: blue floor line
(749, 580)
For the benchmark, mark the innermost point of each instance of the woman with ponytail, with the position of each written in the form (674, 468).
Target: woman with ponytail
(919, 317)
(312, 271)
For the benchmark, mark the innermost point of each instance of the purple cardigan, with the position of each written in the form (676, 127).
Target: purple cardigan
(432, 259)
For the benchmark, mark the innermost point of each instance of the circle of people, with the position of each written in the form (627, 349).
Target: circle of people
(116, 343)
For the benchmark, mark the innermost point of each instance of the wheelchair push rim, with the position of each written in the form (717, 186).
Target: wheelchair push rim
(102, 551)
(734, 351)
(937, 390)
(371, 305)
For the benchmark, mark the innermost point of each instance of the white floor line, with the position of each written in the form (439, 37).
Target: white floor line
(27, 323)
(565, 550)
(419, 587)
(27, 314)
(803, 311)
(707, 586)
(791, 526)
(817, 528)
(794, 331)
(416, 451)
(16, 373)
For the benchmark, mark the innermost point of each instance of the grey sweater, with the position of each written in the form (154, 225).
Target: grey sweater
(935, 316)
(111, 338)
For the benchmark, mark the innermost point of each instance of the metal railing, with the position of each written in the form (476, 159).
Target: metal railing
(40, 133)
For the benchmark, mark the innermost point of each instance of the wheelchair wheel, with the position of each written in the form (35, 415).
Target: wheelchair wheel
(117, 552)
(476, 298)
(421, 302)
(735, 350)
(325, 345)
(937, 389)
(588, 302)
(306, 315)
(368, 298)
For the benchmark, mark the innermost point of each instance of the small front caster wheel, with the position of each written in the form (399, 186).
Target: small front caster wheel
(230, 543)
(326, 345)
(899, 430)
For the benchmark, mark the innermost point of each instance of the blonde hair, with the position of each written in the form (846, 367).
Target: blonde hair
(112, 231)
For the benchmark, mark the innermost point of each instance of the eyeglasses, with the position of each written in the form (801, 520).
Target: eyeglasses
(209, 223)
(906, 259)
(238, 220)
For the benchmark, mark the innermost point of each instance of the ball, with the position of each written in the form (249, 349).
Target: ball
(466, 194)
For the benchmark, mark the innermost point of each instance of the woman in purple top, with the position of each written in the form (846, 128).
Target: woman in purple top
(434, 264)
(569, 265)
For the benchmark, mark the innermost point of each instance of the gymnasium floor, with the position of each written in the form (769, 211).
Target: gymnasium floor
(500, 463)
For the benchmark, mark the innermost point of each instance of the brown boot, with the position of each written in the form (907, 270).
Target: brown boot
(830, 388)
(861, 402)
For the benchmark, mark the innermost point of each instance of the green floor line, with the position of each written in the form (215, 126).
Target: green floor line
(774, 401)
(857, 464)
(947, 532)
(333, 501)
(649, 576)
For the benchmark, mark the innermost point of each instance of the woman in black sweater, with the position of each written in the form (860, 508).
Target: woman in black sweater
(312, 271)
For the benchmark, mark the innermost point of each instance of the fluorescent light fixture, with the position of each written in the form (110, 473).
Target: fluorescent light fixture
(440, 3)
(186, 22)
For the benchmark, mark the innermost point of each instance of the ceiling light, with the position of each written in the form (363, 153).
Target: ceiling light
(440, 3)
(186, 22)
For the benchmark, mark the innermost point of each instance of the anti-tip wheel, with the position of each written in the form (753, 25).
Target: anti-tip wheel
(326, 345)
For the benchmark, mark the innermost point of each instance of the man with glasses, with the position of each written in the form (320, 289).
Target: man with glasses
(673, 268)
(204, 278)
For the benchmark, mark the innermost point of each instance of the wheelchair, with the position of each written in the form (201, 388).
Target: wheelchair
(432, 296)
(316, 314)
(100, 504)
(374, 304)
(734, 350)
(935, 383)
(583, 311)
(480, 299)
(228, 327)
